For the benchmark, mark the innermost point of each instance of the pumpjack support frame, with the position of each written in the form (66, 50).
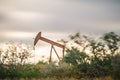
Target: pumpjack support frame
(39, 37)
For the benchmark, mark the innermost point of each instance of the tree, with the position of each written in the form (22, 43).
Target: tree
(75, 57)
(13, 57)
(112, 41)
(98, 63)
(16, 53)
(77, 60)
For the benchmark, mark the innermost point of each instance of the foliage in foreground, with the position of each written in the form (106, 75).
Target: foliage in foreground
(77, 63)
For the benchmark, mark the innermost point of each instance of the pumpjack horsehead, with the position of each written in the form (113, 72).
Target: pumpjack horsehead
(39, 37)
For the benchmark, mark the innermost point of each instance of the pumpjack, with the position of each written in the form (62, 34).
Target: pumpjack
(39, 37)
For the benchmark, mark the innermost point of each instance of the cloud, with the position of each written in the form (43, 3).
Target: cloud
(59, 15)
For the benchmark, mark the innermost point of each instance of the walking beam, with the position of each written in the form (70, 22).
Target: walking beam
(39, 37)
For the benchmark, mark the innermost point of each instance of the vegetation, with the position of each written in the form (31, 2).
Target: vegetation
(88, 59)
(103, 60)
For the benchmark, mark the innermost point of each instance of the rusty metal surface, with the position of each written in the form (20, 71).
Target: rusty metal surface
(39, 37)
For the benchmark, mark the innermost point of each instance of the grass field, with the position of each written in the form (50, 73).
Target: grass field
(66, 78)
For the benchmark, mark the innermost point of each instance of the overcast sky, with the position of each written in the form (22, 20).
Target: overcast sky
(22, 19)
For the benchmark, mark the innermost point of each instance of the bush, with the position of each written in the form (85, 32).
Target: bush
(116, 66)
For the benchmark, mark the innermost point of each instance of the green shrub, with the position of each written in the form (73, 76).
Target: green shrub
(116, 66)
